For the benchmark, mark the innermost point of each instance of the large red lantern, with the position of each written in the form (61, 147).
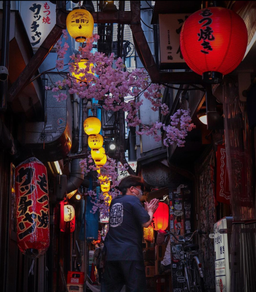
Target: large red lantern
(213, 42)
(161, 217)
(32, 207)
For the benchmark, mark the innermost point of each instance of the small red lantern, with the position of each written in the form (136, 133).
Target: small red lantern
(32, 207)
(161, 217)
(213, 42)
(66, 226)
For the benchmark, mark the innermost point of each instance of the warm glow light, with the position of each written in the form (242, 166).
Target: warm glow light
(203, 119)
(98, 154)
(161, 216)
(69, 213)
(102, 161)
(92, 126)
(80, 23)
(57, 165)
(79, 70)
(71, 194)
(78, 197)
(213, 42)
(105, 186)
(95, 141)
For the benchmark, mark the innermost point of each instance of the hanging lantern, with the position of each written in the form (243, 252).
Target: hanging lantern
(98, 154)
(80, 69)
(69, 213)
(67, 225)
(161, 217)
(107, 198)
(148, 233)
(101, 162)
(105, 186)
(32, 207)
(213, 42)
(95, 141)
(80, 24)
(92, 126)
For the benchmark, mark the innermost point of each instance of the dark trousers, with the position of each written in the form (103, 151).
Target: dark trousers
(119, 273)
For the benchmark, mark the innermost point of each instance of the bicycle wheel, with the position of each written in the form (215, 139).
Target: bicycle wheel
(197, 282)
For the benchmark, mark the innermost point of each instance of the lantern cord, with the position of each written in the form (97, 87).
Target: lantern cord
(31, 270)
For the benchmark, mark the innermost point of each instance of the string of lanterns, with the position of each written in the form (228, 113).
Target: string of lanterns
(92, 127)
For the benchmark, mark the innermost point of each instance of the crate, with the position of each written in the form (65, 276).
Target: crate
(75, 288)
(75, 277)
(150, 271)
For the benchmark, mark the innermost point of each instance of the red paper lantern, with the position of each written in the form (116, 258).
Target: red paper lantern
(161, 217)
(32, 207)
(213, 42)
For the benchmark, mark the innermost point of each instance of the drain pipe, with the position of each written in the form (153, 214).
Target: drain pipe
(76, 177)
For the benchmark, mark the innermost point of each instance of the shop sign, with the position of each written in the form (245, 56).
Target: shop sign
(39, 18)
(170, 28)
(222, 232)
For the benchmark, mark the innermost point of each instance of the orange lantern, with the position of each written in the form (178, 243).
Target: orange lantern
(97, 154)
(148, 233)
(80, 69)
(161, 217)
(80, 23)
(92, 126)
(101, 162)
(213, 41)
(95, 141)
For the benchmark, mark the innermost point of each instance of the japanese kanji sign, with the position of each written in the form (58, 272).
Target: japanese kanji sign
(32, 207)
(39, 17)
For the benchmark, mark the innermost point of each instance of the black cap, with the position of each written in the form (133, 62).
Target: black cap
(130, 181)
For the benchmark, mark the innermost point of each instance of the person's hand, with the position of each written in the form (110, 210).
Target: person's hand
(152, 205)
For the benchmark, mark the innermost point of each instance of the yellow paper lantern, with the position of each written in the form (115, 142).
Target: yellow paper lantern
(79, 70)
(103, 178)
(80, 24)
(95, 141)
(107, 198)
(97, 154)
(105, 186)
(102, 161)
(69, 213)
(92, 126)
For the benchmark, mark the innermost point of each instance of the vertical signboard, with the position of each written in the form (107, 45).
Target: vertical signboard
(39, 17)
(170, 27)
(222, 233)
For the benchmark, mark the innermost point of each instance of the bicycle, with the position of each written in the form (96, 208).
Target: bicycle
(192, 278)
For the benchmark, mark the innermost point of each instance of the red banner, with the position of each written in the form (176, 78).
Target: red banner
(32, 207)
(222, 189)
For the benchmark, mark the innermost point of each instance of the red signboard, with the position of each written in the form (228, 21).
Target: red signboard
(32, 207)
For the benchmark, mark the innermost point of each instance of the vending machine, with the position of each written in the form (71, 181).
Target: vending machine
(222, 236)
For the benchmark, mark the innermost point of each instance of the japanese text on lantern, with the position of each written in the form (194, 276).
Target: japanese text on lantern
(29, 218)
(206, 31)
(38, 19)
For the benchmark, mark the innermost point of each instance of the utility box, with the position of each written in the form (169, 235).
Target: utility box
(75, 281)
(222, 237)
